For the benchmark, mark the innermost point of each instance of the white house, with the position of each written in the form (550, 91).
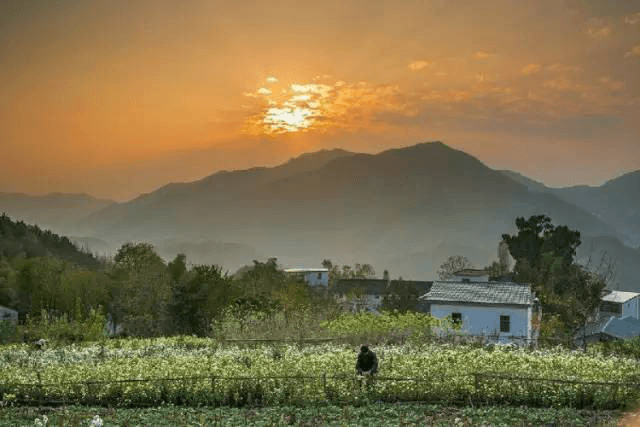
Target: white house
(618, 318)
(313, 276)
(621, 304)
(500, 310)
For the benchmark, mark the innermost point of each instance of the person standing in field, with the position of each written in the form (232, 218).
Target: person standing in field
(367, 363)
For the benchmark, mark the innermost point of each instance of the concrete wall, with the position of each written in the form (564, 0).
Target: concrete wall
(631, 308)
(317, 278)
(485, 320)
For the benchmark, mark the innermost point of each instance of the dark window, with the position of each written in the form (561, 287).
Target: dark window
(611, 307)
(505, 324)
(319, 276)
(457, 318)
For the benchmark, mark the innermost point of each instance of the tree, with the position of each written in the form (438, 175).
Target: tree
(142, 292)
(452, 265)
(544, 257)
(402, 296)
(198, 297)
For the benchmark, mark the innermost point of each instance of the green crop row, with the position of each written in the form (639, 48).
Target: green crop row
(136, 375)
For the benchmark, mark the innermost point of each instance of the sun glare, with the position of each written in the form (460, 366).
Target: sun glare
(287, 119)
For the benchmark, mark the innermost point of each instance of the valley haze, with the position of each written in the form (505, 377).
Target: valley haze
(404, 210)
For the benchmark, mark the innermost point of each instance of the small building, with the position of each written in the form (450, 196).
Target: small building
(618, 318)
(8, 315)
(312, 276)
(469, 275)
(503, 311)
(621, 304)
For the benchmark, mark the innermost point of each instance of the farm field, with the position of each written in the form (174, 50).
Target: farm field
(388, 414)
(197, 371)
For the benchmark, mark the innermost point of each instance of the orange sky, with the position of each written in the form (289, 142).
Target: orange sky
(121, 97)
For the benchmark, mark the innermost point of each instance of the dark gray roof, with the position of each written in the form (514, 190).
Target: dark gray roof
(480, 293)
(627, 327)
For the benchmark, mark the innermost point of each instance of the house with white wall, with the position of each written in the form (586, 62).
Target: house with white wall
(618, 318)
(621, 304)
(503, 311)
(312, 276)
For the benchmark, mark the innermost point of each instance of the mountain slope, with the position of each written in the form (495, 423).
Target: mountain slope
(616, 202)
(56, 211)
(396, 209)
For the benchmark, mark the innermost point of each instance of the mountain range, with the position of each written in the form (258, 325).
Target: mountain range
(404, 210)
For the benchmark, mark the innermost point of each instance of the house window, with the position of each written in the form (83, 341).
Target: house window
(457, 318)
(505, 324)
(610, 307)
(319, 276)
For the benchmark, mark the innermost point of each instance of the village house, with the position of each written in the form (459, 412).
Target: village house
(312, 276)
(618, 318)
(499, 311)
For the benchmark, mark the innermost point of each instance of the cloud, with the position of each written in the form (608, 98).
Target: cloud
(632, 19)
(597, 29)
(264, 91)
(613, 85)
(272, 79)
(479, 55)
(563, 68)
(635, 51)
(530, 69)
(419, 65)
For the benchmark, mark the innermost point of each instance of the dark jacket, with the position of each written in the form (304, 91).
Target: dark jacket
(367, 362)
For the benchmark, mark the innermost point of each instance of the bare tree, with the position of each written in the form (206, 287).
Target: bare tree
(452, 265)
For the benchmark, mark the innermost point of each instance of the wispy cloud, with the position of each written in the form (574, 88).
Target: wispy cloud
(419, 65)
(272, 79)
(597, 29)
(632, 19)
(479, 55)
(530, 69)
(635, 51)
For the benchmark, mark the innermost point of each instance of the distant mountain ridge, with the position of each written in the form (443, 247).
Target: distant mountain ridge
(403, 209)
(57, 211)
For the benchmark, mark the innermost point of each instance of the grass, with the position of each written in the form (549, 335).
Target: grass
(407, 414)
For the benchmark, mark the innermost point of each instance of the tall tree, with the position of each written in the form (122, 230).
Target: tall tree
(544, 257)
(141, 297)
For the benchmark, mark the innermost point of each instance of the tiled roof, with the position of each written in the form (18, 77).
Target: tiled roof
(470, 272)
(619, 296)
(480, 293)
(627, 327)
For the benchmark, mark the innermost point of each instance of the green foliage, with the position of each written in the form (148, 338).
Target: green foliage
(387, 327)
(365, 414)
(401, 296)
(198, 296)
(544, 256)
(62, 330)
(216, 375)
(19, 240)
(142, 293)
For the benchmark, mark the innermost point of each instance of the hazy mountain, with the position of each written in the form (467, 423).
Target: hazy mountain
(616, 202)
(400, 210)
(56, 211)
(531, 184)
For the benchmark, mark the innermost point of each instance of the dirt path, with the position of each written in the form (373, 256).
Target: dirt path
(631, 419)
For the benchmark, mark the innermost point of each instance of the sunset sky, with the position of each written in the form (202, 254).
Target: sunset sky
(119, 97)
